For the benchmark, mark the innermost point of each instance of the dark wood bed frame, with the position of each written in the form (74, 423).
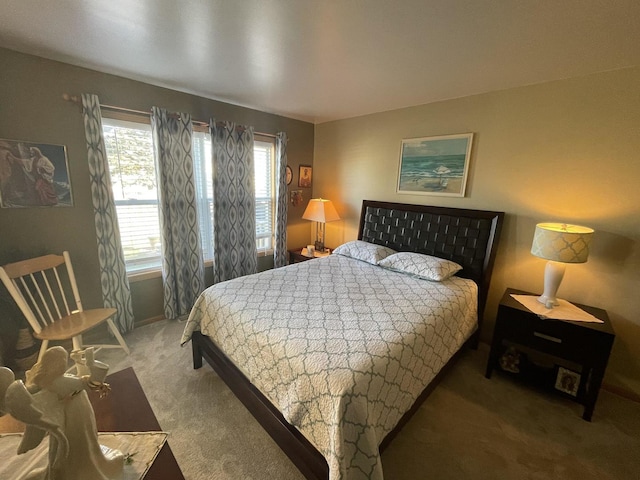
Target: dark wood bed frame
(467, 237)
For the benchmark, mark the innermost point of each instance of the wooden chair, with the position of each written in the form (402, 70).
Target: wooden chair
(37, 288)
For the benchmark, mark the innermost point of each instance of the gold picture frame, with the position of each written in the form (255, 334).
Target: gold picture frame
(304, 176)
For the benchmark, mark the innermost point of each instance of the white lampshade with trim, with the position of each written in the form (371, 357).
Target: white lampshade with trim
(559, 243)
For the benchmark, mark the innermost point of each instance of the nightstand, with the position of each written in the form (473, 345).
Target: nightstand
(296, 256)
(575, 351)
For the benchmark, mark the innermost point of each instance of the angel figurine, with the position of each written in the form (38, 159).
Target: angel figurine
(57, 403)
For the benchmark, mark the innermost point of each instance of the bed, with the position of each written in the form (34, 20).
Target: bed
(333, 356)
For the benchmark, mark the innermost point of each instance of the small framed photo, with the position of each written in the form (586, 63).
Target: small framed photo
(435, 165)
(34, 175)
(296, 198)
(304, 176)
(568, 381)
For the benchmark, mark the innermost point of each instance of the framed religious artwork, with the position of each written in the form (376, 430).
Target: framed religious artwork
(34, 175)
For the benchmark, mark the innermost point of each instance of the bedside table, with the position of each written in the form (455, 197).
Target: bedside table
(577, 349)
(296, 256)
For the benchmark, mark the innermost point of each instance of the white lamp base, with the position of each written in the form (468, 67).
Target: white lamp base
(553, 274)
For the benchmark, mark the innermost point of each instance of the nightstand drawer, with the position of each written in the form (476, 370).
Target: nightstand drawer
(555, 337)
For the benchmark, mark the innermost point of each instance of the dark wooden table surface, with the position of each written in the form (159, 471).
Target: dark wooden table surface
(126, 409)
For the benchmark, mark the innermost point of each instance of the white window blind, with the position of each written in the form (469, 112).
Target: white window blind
(204, 190)
(263, 156)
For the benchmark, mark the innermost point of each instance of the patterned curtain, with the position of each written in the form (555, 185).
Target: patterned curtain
(234, 209)
(113, 275)
(182, 262)
(280, 248)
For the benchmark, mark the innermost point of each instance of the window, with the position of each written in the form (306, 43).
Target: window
(129, 148)
(264, 158)
(202, 172)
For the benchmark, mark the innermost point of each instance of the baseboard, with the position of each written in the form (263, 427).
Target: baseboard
(148, 321)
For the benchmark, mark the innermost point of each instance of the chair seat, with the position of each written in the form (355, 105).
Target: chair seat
(75, 324)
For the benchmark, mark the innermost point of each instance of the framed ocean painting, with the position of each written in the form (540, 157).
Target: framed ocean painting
(435, 165)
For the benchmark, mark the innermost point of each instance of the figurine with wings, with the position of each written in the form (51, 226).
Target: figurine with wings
(57, 404)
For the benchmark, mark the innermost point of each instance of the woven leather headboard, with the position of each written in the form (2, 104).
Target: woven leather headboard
(467, 237)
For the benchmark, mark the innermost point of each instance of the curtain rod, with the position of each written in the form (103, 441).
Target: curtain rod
(78, 101)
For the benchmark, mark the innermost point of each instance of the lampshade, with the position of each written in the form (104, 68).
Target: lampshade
(561, 242)
(320, 210)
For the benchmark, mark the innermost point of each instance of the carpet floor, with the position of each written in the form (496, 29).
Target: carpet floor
(469, 427)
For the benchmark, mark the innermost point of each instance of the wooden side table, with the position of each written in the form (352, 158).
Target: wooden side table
(569, 345)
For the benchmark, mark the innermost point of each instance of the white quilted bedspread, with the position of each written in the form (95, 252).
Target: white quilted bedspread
(341, 347)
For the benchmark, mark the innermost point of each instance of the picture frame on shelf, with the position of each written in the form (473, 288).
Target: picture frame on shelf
(435, 165)
(567, 381)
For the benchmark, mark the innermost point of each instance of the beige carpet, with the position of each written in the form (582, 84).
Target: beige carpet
(469, 428)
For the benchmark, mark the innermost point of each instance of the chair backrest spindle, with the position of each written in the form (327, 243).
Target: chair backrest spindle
(25, 286)
(14, 289)
(54, 304)
(43, 300)
(72, 280)
(61, 291)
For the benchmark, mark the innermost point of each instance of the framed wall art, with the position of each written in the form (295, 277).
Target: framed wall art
(288, 175)
(296, 198)
(304, 176)
(34, 175)
(435, 165)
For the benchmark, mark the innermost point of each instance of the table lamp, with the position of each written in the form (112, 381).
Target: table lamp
(321, 211)
(559, 243)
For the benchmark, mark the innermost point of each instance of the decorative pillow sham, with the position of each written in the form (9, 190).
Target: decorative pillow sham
(420, 265)
(365, 251)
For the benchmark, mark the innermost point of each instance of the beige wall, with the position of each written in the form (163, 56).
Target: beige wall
(566, 150)
(32, 109)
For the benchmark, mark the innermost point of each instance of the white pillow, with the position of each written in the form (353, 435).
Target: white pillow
(420, 265)
(365, 251)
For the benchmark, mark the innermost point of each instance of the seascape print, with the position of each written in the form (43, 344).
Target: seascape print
(33, 175)
(435, 165)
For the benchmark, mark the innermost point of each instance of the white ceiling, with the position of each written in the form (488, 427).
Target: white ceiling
(321, 60)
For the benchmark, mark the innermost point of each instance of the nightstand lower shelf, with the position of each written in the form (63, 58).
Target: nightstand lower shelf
(563, 356)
